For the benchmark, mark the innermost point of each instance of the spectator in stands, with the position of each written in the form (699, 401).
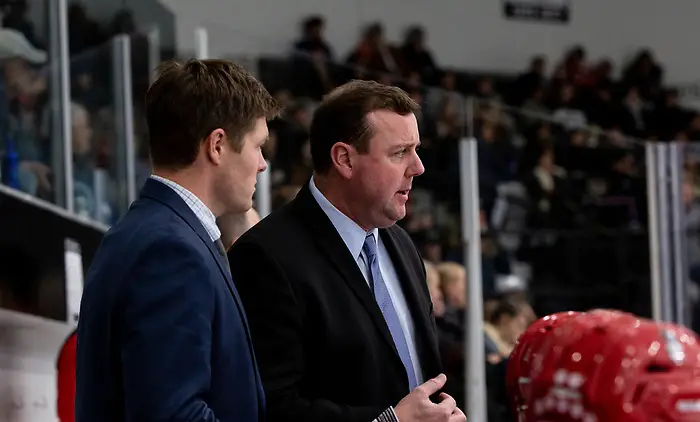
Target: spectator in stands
(177, 328)
(373, 53)
(293, 129)
(415, 57)
(533, 79)
(600, 108)
(645, 74)
(566, 111)
(450, 331)
(453, 280)
(84, 33)
(574, 65)
(485, 89)
(694, 126)
(494, 161)
(669, 118)
(534, 108)
(448, 121)
(547, 190)
(503, 328)
(321, 357)
(22, 112)
(312, 64)
(633, 114)
(87, 204)
(447, 91)
(233, 226)
(15, 16)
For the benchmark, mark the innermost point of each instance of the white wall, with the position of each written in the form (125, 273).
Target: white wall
(28, 351)
(463, 33)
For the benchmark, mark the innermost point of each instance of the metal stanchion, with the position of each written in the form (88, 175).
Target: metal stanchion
(201, 42)
(124, 117)
(664, 225)
(680, 266)
(61, 121)
(474, 317)
(263, 194)
(654, 254)
(667, 243)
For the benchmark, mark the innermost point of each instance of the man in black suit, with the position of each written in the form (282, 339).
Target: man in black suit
(334, 290)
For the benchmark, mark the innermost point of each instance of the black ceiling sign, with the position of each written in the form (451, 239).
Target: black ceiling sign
(553, 11)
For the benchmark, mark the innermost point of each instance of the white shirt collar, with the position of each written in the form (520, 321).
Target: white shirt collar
(352, 234)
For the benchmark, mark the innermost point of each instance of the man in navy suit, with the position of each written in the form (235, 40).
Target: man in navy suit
(162, 334)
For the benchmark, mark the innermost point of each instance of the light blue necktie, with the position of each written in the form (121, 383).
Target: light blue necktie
(381, 295)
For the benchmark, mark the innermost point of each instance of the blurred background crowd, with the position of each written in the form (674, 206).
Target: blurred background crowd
(560, 147)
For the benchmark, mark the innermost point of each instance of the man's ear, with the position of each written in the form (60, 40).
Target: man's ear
(341, 158)
(214, 145)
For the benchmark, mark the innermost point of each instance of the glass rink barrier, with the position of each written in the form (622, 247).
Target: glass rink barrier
(672, 168)
(34, 122)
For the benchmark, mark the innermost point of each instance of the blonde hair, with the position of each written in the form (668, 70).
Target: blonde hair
(451, 272)
(432, 275)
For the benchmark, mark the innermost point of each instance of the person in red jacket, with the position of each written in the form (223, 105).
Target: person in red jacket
(65, 376)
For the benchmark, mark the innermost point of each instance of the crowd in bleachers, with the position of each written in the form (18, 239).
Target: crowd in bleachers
(29, 130)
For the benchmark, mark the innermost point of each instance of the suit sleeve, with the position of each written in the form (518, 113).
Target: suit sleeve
(277, 328)
(165, 319)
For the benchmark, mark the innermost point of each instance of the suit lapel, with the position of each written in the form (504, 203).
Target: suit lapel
(426, 340)
(164, 194)
(331, 244)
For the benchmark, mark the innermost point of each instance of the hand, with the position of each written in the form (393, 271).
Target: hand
(417, 407)
(41, 171)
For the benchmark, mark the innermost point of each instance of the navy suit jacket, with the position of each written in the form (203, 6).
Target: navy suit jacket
(162, 334)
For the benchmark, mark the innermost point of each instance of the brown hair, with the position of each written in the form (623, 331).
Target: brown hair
(188, 101)
(342, 117)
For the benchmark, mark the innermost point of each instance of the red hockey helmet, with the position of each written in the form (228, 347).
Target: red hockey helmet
(517, 375)
(621, 370)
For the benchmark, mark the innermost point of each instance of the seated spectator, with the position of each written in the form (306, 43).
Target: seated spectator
(312, 63)
(633, 114)
(485, 89)
(534, 109)
(450, 328)
(566, 111)
(645, 74)
(532, 80)
(574, 65)
(503, 327)
(446, 91)
(22, 108)
(669, 118)
(415, 57)
(373, 53)
(547, 190)
(87, 205)
(453, 279)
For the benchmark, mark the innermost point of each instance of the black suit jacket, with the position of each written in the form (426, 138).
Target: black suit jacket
(324, 350)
